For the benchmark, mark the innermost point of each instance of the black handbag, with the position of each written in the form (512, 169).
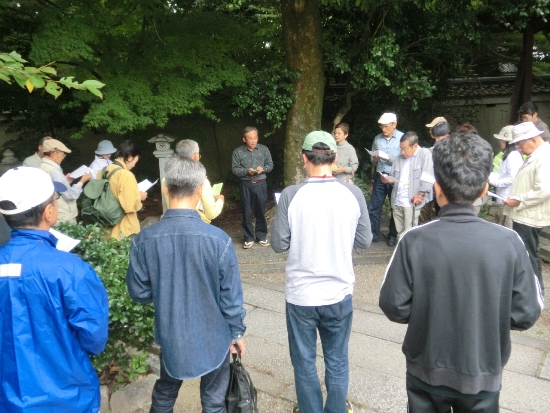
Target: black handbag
(241, 396)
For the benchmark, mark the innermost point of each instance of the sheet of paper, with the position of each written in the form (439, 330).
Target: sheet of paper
(217, 188)
(495, 195)
(277, 196)
(379, 153)
(64, 242)
(145, 185)
(426, 177)
(389, 178)
(77, 173)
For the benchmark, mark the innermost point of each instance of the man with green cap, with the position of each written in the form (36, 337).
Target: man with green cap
(319, 222)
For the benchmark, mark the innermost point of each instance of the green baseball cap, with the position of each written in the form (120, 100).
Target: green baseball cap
(319, 136)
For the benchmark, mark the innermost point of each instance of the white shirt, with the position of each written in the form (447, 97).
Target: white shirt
(98, 164)
(402, 198)
(509, 168)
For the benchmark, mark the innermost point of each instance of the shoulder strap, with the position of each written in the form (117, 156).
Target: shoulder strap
(105, 176)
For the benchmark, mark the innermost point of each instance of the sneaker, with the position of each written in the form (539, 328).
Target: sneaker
(296, 409)
(248, 245)
(264, 243)
(349, 407)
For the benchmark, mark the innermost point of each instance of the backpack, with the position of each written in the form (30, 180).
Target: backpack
(241, 396)
(99, 204)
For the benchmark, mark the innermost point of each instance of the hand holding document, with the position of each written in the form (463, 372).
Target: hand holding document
(145, 185)
(64, 242)
(495, 195)
(381, 154)
(77, 173)
(387, 179)
(217, 188)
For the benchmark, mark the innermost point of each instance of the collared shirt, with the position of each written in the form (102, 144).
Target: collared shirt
(55, 312)
(189, 270)
(390, 146)
(243, 159)
(33, 161)
(56, 173)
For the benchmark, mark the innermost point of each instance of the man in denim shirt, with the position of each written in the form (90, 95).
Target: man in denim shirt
(387, 141)
(189, 270)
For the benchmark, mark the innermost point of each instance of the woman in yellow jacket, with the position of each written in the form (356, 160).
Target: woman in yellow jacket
(124, 186)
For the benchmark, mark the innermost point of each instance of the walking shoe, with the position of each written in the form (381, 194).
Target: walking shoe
(264, 243)
(248, 245)
(349, 407)
(296, 409)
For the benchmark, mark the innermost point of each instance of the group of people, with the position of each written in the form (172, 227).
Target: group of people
(480, 282)
(51, 153)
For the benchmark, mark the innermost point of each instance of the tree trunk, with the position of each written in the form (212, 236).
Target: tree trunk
(521, 91)
(301, 22)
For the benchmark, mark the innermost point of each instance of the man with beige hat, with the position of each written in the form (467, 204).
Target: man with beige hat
(528, 204)
(54, 153)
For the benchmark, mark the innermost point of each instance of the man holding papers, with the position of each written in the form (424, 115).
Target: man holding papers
(211, 202)
(387, 143)
(528, 204)
(412, 180)
(54, 153)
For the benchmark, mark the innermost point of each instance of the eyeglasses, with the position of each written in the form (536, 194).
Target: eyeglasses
(57, 195)
(61, 152)
(387, 126)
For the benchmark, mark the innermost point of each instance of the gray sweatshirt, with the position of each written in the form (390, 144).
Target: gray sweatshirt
(319, 222)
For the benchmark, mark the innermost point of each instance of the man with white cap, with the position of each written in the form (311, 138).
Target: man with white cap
(528, 204)
(434, 122)
(102, 157)
(55, 308)
(54, 153)
(319, 235)
(388, 142)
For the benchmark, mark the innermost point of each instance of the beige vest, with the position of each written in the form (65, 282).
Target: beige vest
(67, 210)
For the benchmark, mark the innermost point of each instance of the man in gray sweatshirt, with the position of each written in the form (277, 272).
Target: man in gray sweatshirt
(319, 222)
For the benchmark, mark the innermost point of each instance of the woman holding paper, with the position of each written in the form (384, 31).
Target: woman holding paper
(509, 168)
(124, 186)
(347, 161)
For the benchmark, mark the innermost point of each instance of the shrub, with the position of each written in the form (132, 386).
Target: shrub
(130, 323)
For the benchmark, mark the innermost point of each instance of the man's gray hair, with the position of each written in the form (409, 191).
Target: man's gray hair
(410, 137)
(187, 148)
(183, 176)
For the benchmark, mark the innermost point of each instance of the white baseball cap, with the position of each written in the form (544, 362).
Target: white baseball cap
(386, 118)
(26, 187)
(525, 130)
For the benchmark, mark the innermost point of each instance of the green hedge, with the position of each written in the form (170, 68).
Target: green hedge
(130, 323)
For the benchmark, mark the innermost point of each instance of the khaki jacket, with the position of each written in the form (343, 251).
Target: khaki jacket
(124, 186)
(532, 187)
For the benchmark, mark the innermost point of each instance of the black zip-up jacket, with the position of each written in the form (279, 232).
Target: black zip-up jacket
(461, 283)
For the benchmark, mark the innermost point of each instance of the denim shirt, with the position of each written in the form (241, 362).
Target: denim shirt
(189, 270)
(390, 146)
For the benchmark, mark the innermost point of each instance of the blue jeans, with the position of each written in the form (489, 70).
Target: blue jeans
(379, 192)
(334, 325)
(213, 388)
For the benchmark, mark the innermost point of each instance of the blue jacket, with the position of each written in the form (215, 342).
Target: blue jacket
(189, 270)
(54, 312)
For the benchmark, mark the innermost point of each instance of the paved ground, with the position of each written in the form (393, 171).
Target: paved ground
(377, 365)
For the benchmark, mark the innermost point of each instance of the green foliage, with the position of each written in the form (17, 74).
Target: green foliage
(130, 323)
(12, 67)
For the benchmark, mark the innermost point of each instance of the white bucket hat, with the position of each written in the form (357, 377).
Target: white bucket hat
(505, 133)
(105, 147)
(525, 130)
(386, 118)
(26, 188)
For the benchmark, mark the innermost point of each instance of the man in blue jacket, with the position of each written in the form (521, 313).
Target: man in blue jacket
(461, 302)
(54, 307)
(189, 270)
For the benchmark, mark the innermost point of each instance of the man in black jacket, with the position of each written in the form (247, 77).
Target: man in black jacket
(476, 284)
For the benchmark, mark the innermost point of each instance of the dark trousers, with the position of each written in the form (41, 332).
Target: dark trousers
(420, 401)
(380, 191)
(213, 389)
(530, 237)
(253, 200)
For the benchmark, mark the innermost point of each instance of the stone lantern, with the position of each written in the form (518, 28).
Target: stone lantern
(163, 152)
(8, 161)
